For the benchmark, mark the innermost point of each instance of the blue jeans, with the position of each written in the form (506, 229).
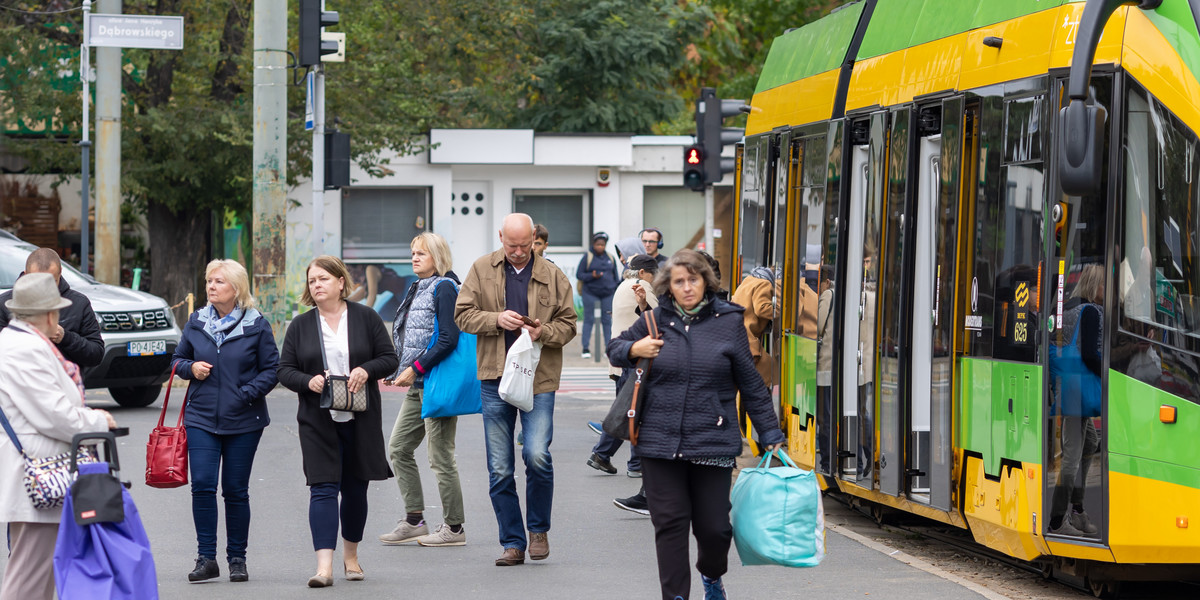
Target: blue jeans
(230, 457)
(589, 317)
(499, 419)
(323, 510)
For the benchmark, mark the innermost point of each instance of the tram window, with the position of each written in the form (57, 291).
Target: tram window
(1159, 276)
(1022, 130)
(752, 212)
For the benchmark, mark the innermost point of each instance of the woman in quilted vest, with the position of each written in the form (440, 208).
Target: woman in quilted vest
(424, 333)
(689, 439)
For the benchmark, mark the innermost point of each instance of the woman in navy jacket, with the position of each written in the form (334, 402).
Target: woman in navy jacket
(599, 274)
(228, 351)
(689, 438)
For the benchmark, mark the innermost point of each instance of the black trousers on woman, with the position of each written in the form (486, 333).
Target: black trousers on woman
(684, 496)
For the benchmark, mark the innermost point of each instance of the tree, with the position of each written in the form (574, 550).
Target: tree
(607, 65)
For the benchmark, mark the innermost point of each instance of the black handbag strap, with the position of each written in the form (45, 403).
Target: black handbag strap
(12, 435)
(321, 341)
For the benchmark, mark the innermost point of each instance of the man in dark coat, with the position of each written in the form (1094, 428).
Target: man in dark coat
(78, 334)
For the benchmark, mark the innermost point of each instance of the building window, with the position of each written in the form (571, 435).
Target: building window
(565, 213)
(380, 223)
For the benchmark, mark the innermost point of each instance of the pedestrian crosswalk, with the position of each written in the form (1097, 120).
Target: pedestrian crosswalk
(583, 380)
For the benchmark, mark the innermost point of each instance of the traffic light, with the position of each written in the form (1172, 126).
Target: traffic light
(312, 20)
(711, 111)
(693, 168)
(337, 160)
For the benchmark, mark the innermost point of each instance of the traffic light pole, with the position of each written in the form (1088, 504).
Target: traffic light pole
(318, 160)
(709, 220)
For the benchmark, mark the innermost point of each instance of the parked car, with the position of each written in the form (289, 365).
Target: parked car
(139, 331)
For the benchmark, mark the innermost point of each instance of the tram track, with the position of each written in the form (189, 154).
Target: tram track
(960, 541)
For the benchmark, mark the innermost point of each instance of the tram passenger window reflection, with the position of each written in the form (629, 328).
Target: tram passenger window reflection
(1075, 371)
(825, 346)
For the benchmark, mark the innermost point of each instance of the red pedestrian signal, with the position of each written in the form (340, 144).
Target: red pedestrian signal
(693, 168)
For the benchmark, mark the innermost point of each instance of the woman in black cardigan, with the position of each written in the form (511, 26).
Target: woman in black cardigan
(342, 450)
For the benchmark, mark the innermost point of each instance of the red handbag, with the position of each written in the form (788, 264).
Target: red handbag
(166, 452)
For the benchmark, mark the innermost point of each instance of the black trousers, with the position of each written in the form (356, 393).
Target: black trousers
(684, 496)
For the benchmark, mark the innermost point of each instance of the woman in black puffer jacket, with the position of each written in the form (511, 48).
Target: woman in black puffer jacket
(689, 438)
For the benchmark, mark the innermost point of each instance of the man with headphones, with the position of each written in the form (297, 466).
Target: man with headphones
(652, 242)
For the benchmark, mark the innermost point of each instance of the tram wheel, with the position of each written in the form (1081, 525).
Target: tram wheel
(1108, 590)
(878, 514)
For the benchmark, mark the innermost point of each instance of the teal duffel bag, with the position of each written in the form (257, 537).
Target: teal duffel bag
(777, 515)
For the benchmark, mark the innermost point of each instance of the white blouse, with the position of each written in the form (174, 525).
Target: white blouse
(337, 355)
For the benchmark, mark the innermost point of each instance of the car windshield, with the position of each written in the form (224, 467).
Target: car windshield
(12, 263)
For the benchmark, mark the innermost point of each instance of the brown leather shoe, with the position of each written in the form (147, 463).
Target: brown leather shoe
(539, 546)
(511, 557)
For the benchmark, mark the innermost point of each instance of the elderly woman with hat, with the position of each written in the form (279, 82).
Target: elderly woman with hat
(41, 395)
(598, 275)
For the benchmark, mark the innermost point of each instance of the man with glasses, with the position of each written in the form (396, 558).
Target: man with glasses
(652, 242)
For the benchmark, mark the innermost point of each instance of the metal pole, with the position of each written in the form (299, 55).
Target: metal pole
(708, 220)
(318, 159)
(270, 161)
(108, 157)
(85, 61)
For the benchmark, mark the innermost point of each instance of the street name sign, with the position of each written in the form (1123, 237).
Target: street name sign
(136, 31)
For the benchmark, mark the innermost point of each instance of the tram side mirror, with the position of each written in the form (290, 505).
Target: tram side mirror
(1081, 129)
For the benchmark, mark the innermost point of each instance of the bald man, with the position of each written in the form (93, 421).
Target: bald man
(500, 291)
(78, 334)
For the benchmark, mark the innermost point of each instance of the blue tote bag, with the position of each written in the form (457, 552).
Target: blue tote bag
(452, 385)
(777, 515)
(104, 560)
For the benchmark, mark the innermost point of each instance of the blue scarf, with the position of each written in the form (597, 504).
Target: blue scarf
(218, 327)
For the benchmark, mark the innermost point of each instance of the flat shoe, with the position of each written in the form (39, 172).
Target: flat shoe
(320, 581)
(352, 575)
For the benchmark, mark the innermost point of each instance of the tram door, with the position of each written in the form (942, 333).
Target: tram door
(939, 151)
(859, 335)
(1078, 273)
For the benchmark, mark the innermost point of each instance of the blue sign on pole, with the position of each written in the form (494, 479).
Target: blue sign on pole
(308, 102)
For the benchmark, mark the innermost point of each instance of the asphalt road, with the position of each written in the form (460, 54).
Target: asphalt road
(597, 551)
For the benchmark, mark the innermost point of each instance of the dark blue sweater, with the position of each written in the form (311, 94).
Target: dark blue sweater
(233, 398)
(602, 264)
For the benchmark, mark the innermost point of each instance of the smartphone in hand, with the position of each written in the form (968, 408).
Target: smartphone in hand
(528, 321)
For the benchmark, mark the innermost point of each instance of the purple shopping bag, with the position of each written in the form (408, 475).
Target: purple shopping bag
(104, 560)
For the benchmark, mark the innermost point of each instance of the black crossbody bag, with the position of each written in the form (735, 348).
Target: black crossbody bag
(624, 417)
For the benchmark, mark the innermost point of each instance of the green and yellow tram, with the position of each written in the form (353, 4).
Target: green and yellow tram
(911, 165)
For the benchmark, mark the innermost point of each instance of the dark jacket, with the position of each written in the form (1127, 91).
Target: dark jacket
(692, 386)
(370, 348)
(233, 399)
(81, 342)
(608, 269)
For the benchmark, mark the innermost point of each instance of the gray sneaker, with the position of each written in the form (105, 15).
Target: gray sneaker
(444, 536)
(404, 533)
(1066, 528)
(1080, 521)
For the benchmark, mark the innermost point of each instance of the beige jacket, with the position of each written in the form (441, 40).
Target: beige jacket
(45, 409)
(757, 296)
(551, 300)
(624, 310)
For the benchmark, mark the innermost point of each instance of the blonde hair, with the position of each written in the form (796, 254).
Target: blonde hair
(437, 248)
(1090, 278)
(332, 265)
(235, 273)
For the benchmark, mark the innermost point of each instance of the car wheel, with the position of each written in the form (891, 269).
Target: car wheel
(135, 397)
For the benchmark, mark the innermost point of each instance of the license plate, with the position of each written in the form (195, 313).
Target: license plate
(149, 348)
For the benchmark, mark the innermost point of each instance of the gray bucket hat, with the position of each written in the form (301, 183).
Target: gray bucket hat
(36, 293)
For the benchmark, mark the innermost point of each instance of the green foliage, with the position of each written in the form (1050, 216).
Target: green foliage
(606, 65)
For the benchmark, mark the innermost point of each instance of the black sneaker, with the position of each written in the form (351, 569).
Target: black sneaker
(635, 503)
(237, 570)
(206, 568)
(600, 463)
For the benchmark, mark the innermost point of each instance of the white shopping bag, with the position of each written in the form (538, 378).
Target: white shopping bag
(516, 385)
